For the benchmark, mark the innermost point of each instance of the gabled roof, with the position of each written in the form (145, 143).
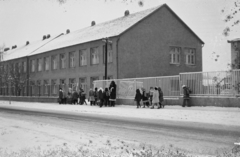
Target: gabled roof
(107, 29)
(111, 28)
(26, 50)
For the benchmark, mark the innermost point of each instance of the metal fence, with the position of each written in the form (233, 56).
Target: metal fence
(220, 83)
(126, 88)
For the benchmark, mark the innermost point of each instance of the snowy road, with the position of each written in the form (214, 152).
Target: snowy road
(191, 136)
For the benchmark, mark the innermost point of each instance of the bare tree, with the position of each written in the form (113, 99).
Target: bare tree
(232, 16)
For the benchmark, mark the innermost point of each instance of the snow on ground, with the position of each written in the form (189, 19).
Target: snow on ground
(212, 115)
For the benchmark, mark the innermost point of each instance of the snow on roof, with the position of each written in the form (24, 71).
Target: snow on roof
(99, 31)
(26, 50)
(234, 40)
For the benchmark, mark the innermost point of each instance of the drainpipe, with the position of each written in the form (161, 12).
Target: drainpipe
(117, 57)
(28, 75)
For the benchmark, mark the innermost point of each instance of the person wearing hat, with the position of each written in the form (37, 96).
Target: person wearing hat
(186, 96)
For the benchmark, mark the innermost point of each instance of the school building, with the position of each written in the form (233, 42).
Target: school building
(153, 42)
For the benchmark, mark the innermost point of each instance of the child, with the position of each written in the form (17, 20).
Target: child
(144, 98)
(91, 97)
(138, 98)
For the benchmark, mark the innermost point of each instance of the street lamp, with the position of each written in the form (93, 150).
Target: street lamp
(106, 40)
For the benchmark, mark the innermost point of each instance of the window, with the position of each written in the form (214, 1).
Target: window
(54, 62)
(72, 84)
(190, 56)
(94, 55)
(39, 63)
(32, 85)
(62, 61)
(38, 87)
(19, 67)
(46, 63)
(109, 52)
(83, 83)
(33, 65)
(72, 59)
(175, 55)
(54, 86)
(83, 57)
(46, 86)
(24, 66)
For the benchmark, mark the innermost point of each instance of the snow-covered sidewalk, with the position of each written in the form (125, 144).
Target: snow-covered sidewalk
(212, 115)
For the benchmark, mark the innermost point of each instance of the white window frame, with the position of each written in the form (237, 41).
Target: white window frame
(83, 57)
(110, 53)
(40, 64)
(46, 84)
(24, 66)
(46, 63)
(54, 62)
(94, 55)
(190, 54)
(54, 86)
(175, 54)
(72, 63)
(33, 65)
(63, 60)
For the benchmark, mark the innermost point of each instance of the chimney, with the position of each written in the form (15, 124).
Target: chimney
(15, 46)
(68, 31)
(93, 23)
(44, 37)
(27, 43)
(126, 13)
(6, 49)
(48, 36)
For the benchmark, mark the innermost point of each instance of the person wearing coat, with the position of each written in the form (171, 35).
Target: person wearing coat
(100, 97)
(75, 97)
(138, 98)
(186, 96)
(112, 89)
(106, 96)
(155, 98)
(60, 98)
(91, 97)
(160, 97)
(145, 98)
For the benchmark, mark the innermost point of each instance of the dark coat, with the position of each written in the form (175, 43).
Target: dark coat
(75, 95)
(138, 96)
(160, 95)
(60, 94)
(144, 96)
(100, 95)
(186, 94)
(112, 89)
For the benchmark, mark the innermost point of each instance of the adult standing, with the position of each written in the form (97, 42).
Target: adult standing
(60, 98)
(186, 96)
(155, 98)
(160, 97)
(112, 89)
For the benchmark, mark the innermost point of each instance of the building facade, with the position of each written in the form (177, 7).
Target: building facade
(154, 42)
(235, 53)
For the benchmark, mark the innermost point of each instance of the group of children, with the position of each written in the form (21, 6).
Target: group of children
(72, 97)
(150, 99)
(106, 97)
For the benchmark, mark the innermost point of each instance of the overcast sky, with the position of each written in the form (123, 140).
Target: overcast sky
(29, 20)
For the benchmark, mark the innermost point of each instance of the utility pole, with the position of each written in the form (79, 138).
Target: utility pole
(106, 40)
